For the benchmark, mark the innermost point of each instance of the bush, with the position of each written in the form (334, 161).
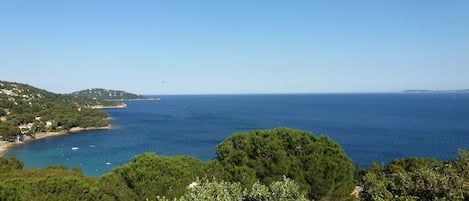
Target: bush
(285, 190)
(418, 179)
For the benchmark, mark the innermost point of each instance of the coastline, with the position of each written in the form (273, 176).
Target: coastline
(123, 105)
(7, 146)
(144, 99)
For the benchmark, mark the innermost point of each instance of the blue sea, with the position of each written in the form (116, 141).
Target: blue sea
(369, 127)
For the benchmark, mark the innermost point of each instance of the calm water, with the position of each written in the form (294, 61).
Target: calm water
(370, 127)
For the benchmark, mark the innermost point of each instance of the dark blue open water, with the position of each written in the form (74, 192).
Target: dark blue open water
(370, 127)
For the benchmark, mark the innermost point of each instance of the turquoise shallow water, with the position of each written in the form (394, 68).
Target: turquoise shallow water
(370, 127)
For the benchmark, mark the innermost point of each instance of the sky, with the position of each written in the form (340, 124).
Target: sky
(235, 47)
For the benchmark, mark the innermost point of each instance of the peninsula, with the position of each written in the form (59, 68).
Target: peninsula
(110, 95)
(28, 113)
(436, 91)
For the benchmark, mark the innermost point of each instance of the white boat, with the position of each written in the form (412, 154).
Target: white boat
(75, 148)
(108, 163)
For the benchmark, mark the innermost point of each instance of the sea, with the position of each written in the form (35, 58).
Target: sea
(369, 127)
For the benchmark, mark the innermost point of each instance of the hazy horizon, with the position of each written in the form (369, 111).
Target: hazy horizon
(236, 47)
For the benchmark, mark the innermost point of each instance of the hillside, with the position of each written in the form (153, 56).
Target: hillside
(25, 110)
(105, 94)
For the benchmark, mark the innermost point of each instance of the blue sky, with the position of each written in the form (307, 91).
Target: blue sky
(224, 47)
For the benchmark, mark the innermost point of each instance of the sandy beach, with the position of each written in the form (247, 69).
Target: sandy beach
(6, 146)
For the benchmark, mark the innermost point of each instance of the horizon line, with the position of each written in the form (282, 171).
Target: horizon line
(281, 93)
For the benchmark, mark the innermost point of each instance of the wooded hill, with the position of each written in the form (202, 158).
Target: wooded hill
(25, 110)
(105, 94)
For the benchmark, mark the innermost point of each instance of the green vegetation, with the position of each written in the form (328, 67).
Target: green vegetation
(52, 183)
(8, 165)
(418, 179)
(267, 165)
(27, 110)
(284, 190)
(154, 177)
(105, 94)
(318, 164)
(149, 175)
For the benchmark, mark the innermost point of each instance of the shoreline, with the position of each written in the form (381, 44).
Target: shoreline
(144, 99)
(7, 146)
(123, 105)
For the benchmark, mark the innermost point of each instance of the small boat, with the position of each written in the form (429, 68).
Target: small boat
(75, 148)
(108, 163)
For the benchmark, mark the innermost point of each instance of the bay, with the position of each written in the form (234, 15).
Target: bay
(370, 127)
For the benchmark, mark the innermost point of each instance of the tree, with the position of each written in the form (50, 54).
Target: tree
(51, 183)
(149, 175)
(317, 164)
(7, 165)
(51, 188)
(116, 187)
(8, 130)
(418, 179)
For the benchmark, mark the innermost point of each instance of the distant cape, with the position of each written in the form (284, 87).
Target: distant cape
(435, 91)
(106, 94)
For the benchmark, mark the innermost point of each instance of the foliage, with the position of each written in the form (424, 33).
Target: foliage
(216, 191)
(115, 187)
(52, 183)
(21, 104)
(277, 191)
(247, 168)
(50, 188)
(284, 190)
(419, 179)
(159, 178)
(8, 165)
(149, 175)
(317, 164)
(8, 130)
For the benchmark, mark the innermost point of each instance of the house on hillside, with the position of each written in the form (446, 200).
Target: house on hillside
(25, 128)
